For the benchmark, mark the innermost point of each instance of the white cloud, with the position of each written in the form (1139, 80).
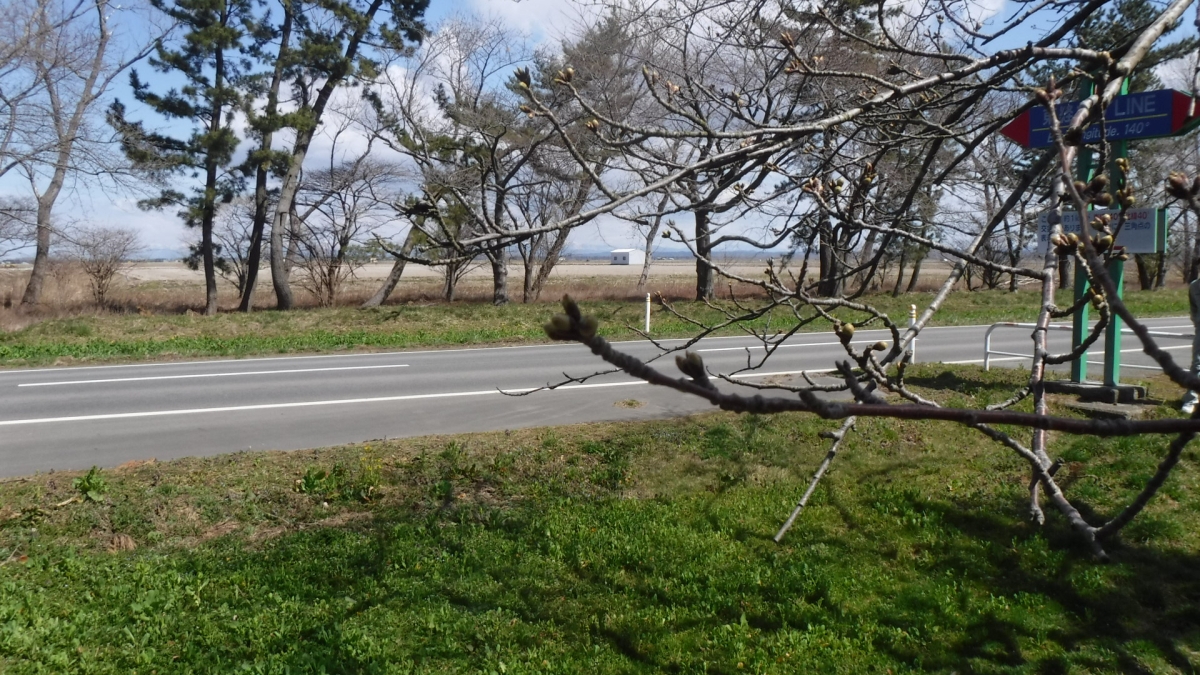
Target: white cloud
(540, 19)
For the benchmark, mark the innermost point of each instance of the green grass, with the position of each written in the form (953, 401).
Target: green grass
(609, 549)
(128, 337)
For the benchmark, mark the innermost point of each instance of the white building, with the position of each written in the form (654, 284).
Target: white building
(627, 256)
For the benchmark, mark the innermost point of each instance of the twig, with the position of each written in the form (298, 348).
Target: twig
(837, 437)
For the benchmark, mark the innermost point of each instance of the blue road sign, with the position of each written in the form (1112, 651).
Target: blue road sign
(1145, 115)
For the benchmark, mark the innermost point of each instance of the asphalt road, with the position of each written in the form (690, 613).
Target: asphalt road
(73, 418)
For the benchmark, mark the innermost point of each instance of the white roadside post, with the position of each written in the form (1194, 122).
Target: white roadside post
(647, 314)
(912, 321)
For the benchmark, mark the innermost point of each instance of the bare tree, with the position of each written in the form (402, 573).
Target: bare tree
(847, 118)
(487, 163)
(67, 66)
(102, 252)
(339, 209)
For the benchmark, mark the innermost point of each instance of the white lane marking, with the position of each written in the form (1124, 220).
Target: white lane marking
(1139, 349)
(299, 404)
(196, 375)
(813, 371)
(807, 344)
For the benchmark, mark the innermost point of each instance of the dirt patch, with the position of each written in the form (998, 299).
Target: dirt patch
(629, 403)
(345, 518)
(121, 542)
(134, 464)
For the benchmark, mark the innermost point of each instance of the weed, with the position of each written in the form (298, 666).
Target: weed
(91, 486)
(339, 484)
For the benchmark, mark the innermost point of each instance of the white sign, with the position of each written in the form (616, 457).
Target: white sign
(1139, 234)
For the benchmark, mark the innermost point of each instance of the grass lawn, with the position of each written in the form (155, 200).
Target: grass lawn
(127, 337)
(608, 549)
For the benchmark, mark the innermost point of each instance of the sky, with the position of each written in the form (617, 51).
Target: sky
(163, 234)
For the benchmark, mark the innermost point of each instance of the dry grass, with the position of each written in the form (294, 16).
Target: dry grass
(67, 294)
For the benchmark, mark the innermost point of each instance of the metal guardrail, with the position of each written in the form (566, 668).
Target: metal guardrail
(988, 351)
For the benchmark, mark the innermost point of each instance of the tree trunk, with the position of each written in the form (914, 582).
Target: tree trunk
(830, 284)
(704, 270)
(206, 248)
(209, 208)
(499, 262)
(865, 276)
(916, 272)
(653, 234)
(1064, 271)
(1144, 278)
(41, 257)
(257, 229)
(527, 282)
(280, 224)
(644, 277)
(450, 282)
(291, 180)
(1160, 275)
(393, 277)
(547, 265)
(900, 271)
(261, 195)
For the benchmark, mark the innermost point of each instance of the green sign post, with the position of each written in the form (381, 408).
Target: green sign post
(1153, 114)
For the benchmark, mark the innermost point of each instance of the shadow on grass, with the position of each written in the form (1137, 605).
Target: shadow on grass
(998, 384)
(610, 594)
(1132, 615)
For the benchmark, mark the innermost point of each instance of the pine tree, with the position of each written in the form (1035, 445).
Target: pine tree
(210, 61)
(333, 46)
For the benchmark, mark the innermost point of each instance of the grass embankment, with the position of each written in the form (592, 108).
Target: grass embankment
(124, 337)
(608, 549)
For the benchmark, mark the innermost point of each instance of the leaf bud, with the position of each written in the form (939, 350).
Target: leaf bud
(588, 326)
(844, 331)
(571, 307)
(559, 327)
(523, 80)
